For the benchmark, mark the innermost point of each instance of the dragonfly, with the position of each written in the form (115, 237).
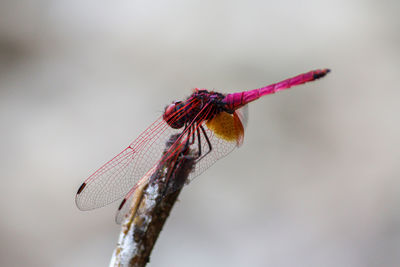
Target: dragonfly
(211, 124)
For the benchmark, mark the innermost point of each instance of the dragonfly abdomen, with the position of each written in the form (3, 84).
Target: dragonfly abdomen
(238, 100)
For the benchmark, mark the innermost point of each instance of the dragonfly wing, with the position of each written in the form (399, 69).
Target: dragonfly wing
(243, 114)
(222, 140)
(118, 176)
(132, 201)
(206, 135)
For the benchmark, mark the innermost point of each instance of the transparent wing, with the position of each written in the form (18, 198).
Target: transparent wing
(126, 171)
(243, 114)
(133, 166)
(186, 138)
(118, 176)
(220, 144)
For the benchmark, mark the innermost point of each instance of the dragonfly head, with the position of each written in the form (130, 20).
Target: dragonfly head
(174, 116)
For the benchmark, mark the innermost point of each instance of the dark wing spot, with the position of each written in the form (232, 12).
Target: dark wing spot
(122, 204)
(81, 188)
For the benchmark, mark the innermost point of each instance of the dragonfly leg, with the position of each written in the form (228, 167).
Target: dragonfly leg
(193, 127)
(208, 142)
(187, 142)
(199, 142)
(191, 134)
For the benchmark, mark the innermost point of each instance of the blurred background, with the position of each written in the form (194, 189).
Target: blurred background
(315, 184)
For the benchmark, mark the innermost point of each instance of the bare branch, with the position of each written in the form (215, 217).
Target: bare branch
(152, 205)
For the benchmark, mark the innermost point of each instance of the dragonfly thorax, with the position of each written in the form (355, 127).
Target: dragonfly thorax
(200, 106)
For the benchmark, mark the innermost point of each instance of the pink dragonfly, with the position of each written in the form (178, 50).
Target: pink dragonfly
(207, 122)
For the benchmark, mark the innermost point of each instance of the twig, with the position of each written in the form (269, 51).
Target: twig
(152, 205)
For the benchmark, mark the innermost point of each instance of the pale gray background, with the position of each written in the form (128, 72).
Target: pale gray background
(315, 184)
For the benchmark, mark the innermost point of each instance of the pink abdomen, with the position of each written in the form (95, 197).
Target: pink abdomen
(238, 100)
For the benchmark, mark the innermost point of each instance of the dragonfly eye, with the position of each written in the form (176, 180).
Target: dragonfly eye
(173, 115)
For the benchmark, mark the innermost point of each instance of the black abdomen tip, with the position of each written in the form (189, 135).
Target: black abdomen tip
(320, 73)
